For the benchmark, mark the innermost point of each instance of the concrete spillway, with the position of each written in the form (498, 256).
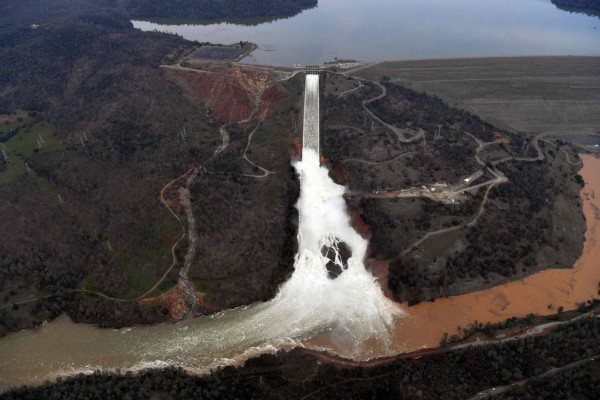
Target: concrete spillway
(310, 136)
(350, 309)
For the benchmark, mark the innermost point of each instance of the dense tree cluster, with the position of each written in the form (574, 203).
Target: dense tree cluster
(518, 220)
(578, 4)
(81, 70)
(212, 9)
(500, 246)
(169, 383)
(577, 383)
(89, 213)
(255, 241)
(502, 243)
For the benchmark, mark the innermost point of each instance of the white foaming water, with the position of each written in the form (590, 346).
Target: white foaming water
(353, 301)
(351, 308)
(310, 302)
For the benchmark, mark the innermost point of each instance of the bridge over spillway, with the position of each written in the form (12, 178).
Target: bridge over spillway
(309, 69)
(310, 131)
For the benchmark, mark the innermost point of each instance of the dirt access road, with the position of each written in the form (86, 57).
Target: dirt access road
(526, 94)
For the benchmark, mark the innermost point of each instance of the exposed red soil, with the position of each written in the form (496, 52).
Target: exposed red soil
(175, 301)
(230, 93)
(271, 97)
(205, 306)
(297, 149)
(339, 174)
(359, 224)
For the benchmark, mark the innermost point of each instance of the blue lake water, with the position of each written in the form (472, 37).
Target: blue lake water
(373, 30)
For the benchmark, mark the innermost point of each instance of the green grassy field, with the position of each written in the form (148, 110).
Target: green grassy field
(24, 145)
(7, 127)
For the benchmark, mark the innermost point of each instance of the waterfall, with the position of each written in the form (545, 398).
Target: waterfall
(347, 307)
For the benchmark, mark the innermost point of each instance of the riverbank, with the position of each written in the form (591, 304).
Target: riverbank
(62, 347)
(543, 293)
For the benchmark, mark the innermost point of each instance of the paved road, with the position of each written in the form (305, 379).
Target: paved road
(398, 132)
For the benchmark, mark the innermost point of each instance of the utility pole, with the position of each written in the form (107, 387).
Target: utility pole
(438, 134)
(60, 199)
(4, 154)
(40, 142)
(183, 134)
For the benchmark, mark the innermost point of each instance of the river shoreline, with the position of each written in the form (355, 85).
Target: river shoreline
(63, 348)
(544, 293)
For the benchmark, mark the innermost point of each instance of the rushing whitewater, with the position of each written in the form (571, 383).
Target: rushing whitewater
(350, 308)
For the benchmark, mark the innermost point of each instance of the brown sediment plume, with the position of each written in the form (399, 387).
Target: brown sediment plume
(566, 288)
(424, 325)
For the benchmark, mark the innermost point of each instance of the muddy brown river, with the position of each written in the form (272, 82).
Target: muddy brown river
(62, 347)
(559, 287)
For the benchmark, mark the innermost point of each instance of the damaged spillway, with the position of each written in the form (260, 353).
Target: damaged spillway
(350, 309)
(330, 248)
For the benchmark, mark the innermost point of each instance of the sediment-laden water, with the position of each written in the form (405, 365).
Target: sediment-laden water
(350, 308)
(347, 315)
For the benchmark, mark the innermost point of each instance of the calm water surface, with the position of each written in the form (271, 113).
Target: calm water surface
(405, 29)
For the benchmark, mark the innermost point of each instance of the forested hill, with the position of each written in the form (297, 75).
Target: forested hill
(212, 9)
(22, 12)
(69, 70)
(578, 4)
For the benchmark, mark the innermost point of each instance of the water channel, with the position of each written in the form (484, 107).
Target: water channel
(349, 316)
